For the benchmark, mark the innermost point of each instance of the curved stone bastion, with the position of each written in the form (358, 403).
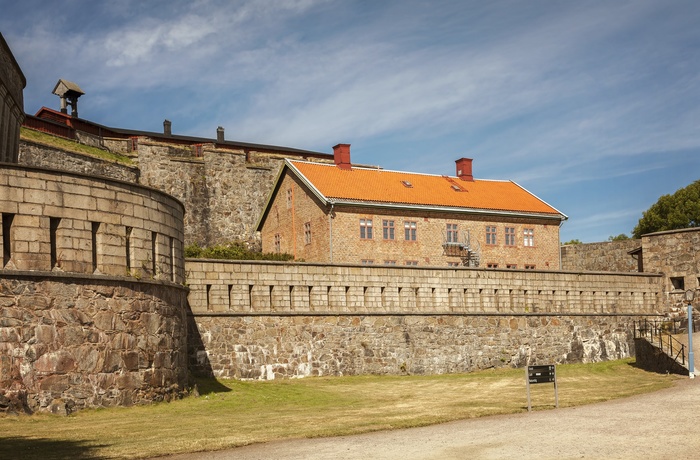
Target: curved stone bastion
(92, 305)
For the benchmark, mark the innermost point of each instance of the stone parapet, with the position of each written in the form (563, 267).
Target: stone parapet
(61, 221)
(274, 287)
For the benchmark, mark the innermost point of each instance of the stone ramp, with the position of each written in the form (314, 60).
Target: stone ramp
(683, 338)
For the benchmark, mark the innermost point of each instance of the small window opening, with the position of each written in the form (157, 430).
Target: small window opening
(407, 184)
(678, 283)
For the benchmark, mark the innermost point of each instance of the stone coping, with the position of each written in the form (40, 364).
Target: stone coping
(408, 313)
(121, 183)
(57, 276)
(417, 267)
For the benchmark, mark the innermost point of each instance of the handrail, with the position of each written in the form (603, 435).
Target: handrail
(650, 329)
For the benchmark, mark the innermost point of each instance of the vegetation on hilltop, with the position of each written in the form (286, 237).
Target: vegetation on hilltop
(234, 250)
(73, 146)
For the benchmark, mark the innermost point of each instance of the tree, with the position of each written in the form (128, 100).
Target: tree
(620, 237)
(671, 212)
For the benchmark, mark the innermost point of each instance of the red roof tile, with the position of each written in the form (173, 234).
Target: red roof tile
(405, 188)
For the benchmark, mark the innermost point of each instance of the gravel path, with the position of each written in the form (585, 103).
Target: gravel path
(660, 425)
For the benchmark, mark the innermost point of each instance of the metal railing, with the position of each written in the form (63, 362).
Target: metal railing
(660, 332)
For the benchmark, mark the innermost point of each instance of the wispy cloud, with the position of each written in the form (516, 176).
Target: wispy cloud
(544, 93)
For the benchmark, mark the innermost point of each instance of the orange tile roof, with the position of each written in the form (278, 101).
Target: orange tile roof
(387, 187)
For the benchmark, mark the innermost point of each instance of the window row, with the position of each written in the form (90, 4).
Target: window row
(451, 233)
(449, 264)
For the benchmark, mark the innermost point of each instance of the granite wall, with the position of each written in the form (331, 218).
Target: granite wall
(69, 342)
(264, 320)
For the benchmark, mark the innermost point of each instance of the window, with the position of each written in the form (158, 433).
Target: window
(512, 266)
(490, 235)
(528, 237)
(389, 262)
(289, 198)
(388, 229)
(307, 232)
(367, 262)
(366, 229)
(529, 267)
(411, 262)
(409, 229)
(452, 233)
(678, 283)
(510, 236)
(453, 264)
(492, 265)
(278, 243)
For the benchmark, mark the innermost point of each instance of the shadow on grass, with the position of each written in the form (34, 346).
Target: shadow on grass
(29, 449)
(208, 385)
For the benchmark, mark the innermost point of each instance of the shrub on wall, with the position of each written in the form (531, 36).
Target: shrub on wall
(232, 251)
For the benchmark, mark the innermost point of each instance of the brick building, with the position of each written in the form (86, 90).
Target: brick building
(346, 214)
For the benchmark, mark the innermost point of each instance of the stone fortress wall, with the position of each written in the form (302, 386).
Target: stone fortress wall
(12, 83)
(269, 320)
(92, 302)
(604, 256)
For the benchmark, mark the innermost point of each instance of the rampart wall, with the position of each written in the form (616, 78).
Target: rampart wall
(224, 190)
(39, 155)
(61, 221)
(606, 256)
(267, 320)
(71, 341)
(676, 254)
(92, 306)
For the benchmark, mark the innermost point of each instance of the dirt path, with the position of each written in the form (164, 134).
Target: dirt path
(661, 425)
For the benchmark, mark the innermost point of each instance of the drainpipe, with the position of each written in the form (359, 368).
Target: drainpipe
(330, 239)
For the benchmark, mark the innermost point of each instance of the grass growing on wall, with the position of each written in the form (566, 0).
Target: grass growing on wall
(234, 413)
(73, 146)
(232, 251)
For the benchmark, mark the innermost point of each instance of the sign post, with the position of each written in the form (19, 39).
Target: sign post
(541, 374)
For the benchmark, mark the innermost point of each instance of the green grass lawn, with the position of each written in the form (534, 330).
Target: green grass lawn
(72, 146)
(231, 413)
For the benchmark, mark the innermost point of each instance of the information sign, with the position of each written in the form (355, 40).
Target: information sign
(541, 374)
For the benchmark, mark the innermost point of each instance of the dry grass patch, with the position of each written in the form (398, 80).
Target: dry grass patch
(73, 146)
(235, 413)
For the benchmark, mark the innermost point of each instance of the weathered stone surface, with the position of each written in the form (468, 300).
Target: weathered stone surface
(63, 359)
(282, 346)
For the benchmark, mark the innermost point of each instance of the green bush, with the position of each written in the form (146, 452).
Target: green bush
(232, 251)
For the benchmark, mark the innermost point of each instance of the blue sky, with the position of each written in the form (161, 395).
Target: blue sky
(593, 106)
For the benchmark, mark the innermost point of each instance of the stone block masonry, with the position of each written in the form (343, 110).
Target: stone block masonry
(267, 320)
(67, 222)
(73, 341)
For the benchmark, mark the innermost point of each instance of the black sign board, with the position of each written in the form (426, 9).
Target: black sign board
(541, 374)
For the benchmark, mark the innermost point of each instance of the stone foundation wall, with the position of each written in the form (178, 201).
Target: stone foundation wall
(69, 342)
(288, 346)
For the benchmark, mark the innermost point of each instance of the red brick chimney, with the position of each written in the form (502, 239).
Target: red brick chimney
(341, 155)
(464, 169)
